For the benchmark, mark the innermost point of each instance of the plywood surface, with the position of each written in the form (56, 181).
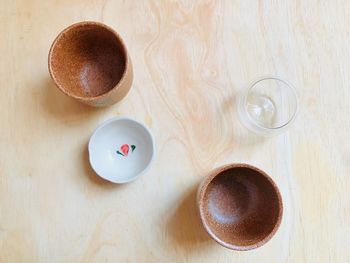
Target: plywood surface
(191, 59)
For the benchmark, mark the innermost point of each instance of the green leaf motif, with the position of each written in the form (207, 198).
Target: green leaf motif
(133, 147)
(118, 152)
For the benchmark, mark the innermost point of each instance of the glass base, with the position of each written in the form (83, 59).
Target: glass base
(262, 110)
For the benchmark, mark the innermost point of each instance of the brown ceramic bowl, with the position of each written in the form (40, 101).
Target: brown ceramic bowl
(240, 206)
(88, 61)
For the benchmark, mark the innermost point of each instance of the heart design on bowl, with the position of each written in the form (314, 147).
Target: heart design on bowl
(124, 149)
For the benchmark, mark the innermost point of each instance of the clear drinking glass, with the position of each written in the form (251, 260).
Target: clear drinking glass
(268, 107)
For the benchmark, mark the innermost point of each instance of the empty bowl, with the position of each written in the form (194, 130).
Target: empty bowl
(121, 149)
(240, 206)
(89, 61)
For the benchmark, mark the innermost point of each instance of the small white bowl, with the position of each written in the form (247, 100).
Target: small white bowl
(121, 149)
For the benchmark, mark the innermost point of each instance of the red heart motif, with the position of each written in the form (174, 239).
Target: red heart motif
(125, 149)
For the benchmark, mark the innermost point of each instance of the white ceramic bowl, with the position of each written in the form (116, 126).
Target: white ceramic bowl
(121, 149)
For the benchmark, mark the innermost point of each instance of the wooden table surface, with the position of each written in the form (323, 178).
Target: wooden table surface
(190, 62)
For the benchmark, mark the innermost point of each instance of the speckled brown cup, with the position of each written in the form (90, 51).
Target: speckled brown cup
(88, 61)
(240, 206)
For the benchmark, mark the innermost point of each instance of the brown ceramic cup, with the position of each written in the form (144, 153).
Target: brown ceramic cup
(240, 206)
(88, 61)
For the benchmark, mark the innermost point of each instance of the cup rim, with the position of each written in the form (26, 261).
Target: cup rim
(103, 125)
(280, 127)
(202, 190)
(83, 24)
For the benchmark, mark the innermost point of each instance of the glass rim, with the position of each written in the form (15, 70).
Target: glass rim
(290, 86)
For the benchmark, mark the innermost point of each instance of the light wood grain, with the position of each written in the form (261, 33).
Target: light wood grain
(191, 59)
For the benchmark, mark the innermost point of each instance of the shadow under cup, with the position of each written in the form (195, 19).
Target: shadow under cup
(88, 61)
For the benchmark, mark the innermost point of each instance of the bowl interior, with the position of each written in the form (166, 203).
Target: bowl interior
(120, 150)
(241, 207)
(87, 60)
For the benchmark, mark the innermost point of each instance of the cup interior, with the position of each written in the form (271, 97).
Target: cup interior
(240, 207)
(87, 60)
